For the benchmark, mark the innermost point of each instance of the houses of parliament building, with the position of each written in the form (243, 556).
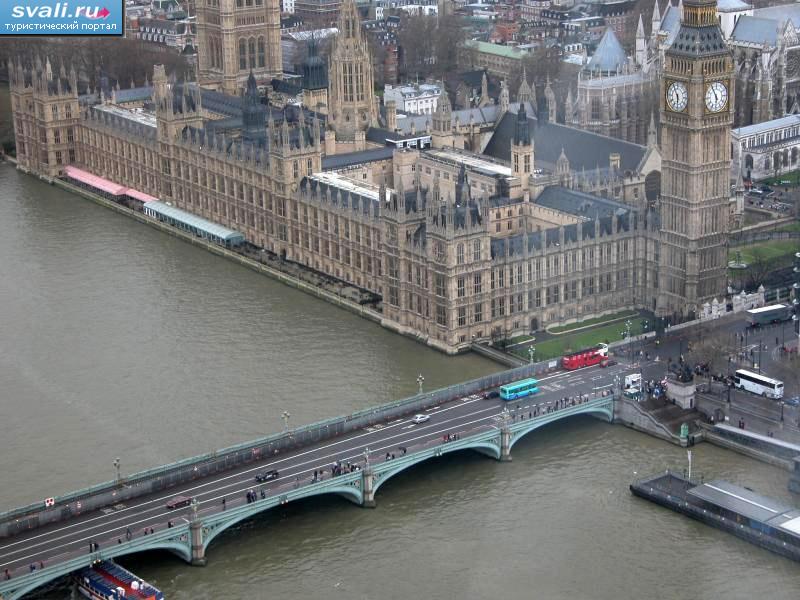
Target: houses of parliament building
(467, 223)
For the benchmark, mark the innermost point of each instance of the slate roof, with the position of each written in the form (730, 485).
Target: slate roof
(224, 104)
(695, 42)
(671, 23)
(487, 114)
(780, 13)
(732, 5)
(585, 150)
(580, 203)
(609, 56)
(756, 30)
(138, 94)
(377, 135)
(339, 161)
(765, 126)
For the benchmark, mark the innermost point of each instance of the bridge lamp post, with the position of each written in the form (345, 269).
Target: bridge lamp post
(116, 466)
(531, 351)
(420, 381)
(285, 416)
(627, 334)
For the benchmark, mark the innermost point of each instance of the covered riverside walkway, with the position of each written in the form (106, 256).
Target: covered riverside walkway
(193, 224)
(105, 188)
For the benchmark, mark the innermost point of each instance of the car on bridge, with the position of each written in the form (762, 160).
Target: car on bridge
(267, 476)
(179, 502)
(419, 419)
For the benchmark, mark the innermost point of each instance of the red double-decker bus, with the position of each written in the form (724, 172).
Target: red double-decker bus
(585, 358)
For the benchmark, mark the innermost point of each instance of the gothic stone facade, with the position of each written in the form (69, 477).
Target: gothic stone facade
(459, 246)
(236, 37)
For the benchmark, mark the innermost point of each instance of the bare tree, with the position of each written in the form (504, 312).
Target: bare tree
(757, 269)
(713, 350)
(122, 60)
(430, 47)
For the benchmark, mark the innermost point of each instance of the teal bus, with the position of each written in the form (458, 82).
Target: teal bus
(519, 389)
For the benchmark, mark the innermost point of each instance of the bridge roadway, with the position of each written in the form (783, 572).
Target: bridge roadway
(66, 540)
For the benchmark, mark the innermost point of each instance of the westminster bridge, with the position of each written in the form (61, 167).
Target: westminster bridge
(352, 456)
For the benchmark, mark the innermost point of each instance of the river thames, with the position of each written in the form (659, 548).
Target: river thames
(119, 341)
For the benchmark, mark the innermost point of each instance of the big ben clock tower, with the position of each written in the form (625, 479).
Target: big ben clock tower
(696, 118)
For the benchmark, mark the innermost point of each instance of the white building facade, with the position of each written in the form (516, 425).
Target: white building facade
(419, 99)
(766, 149)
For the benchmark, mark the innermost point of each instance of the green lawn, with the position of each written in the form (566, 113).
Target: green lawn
(790, 227)
(766, 251)
(518, 339)
(595, 321)
(793, 176)
(578, 340)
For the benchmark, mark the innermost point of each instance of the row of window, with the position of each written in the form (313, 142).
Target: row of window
(247, 53)
(507, 305)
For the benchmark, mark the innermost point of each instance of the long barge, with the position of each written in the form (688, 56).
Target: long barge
(757, 519)
(106, 580)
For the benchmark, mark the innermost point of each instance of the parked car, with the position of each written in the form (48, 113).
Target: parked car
(267, 476)
(179, 502)
(795, 401)
(419, 419)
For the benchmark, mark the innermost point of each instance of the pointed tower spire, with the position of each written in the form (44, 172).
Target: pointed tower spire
(652, 133)
(655, 21)
(524, 93)
(485, 100)
(504, 97)
(569, 108)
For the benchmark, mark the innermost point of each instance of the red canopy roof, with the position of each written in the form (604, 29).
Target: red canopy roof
(137, 195)
(106, 185)
(95, 181)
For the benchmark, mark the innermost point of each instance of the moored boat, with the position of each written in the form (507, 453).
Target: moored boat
(106, 580)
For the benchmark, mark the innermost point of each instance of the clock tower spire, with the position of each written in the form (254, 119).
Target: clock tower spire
(696, 117)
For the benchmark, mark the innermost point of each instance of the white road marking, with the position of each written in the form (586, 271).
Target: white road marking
(236, 475)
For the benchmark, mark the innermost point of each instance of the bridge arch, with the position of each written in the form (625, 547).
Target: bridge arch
(213, 529)
(38, 578)
(488, 447)
(605, 411)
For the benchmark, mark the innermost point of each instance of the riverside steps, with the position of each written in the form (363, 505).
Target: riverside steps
(350, 456)
(740, 511)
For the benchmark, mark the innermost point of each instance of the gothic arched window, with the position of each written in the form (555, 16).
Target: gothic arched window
(652, 185)
(794, 155)
(251, 47)
(242, 55)
(262, 60)
(460, 254)
(476, 250)
(748, 161)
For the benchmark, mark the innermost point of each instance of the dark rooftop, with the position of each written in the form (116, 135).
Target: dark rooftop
(585, 150)
(580, 203)
(339, 161)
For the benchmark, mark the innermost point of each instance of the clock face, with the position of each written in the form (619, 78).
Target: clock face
(716, 97)
(677, 96)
